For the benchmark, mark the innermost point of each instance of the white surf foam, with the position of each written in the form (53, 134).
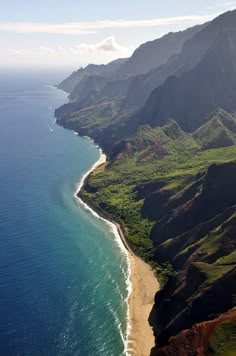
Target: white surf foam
(119, 242)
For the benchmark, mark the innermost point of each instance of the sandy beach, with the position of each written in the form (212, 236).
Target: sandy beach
(144, 287)
(141, 300)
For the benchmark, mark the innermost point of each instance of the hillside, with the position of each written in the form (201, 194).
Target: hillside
(162, 188)
(207, 338)
(219, 130)
(152, 54)
(213, 51)
(169, 181)
(189, 57)
(103, 80)
(214, 79)
(103, 70)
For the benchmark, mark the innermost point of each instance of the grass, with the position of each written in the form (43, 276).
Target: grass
(223, 340)
(219, 131)
(115, 188)
(211, 272)
(212, 242)
(229, 259)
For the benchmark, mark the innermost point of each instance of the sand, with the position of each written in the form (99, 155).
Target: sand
(144, 287)
(141, 300)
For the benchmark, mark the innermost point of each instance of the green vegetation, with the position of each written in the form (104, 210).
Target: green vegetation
(219, 131)
(227, 260)
(119, 201)
(212, 272)
(93, 117)
(163, 272)
(115, 189)
(212, 242)
(149, 143)
(174, 213)
(223, 340)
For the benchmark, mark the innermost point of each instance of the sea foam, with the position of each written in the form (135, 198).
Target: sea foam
(119, 242)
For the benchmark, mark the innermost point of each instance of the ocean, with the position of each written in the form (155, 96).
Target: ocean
(63, 276)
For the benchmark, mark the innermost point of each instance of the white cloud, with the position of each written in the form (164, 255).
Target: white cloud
(226, 6)
(80, 28)
(109, 44)
(83, 53)
(229, 3)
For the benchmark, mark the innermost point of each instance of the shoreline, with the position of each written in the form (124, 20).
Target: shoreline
(142, 285)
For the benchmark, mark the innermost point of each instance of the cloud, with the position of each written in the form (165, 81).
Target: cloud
(109, 44)
(81, 54)
(229, 3)
(226, 6)
(79, 28)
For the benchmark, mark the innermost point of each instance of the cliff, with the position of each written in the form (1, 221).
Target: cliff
(208, 338)
(170, 175)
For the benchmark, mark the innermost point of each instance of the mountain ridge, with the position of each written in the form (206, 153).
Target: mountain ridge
(159, 51)
(169, 181)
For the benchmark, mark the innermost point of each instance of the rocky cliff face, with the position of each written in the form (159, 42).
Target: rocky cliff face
(190, 208)
(207, 338)
(197, 234)
(213, 74)
(171, 175)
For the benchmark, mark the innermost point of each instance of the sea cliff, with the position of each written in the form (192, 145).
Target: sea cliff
(169, 178)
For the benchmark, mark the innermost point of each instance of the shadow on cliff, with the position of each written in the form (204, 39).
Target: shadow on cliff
(152, 319)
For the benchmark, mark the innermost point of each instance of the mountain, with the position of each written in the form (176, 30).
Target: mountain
(119, 73)
(192, 54)
(207, 60)
(175, 194)
(197, 233)
(142, 85)
(210, 83)
(170, 138)
(207, 338)
(152, 54)
(88, 88)
(73, 80)
(219, 130)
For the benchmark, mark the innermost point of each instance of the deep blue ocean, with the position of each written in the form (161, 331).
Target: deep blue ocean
(62, 275)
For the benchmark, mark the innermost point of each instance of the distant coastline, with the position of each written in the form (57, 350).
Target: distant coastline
(142, 284)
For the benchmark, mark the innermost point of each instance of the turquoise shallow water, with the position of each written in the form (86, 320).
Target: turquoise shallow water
(62, 275)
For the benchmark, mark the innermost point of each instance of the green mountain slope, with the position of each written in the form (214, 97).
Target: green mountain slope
(170, 182)
(219, 131)
(73, 80)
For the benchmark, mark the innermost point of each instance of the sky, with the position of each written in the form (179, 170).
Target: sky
(72, 33)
